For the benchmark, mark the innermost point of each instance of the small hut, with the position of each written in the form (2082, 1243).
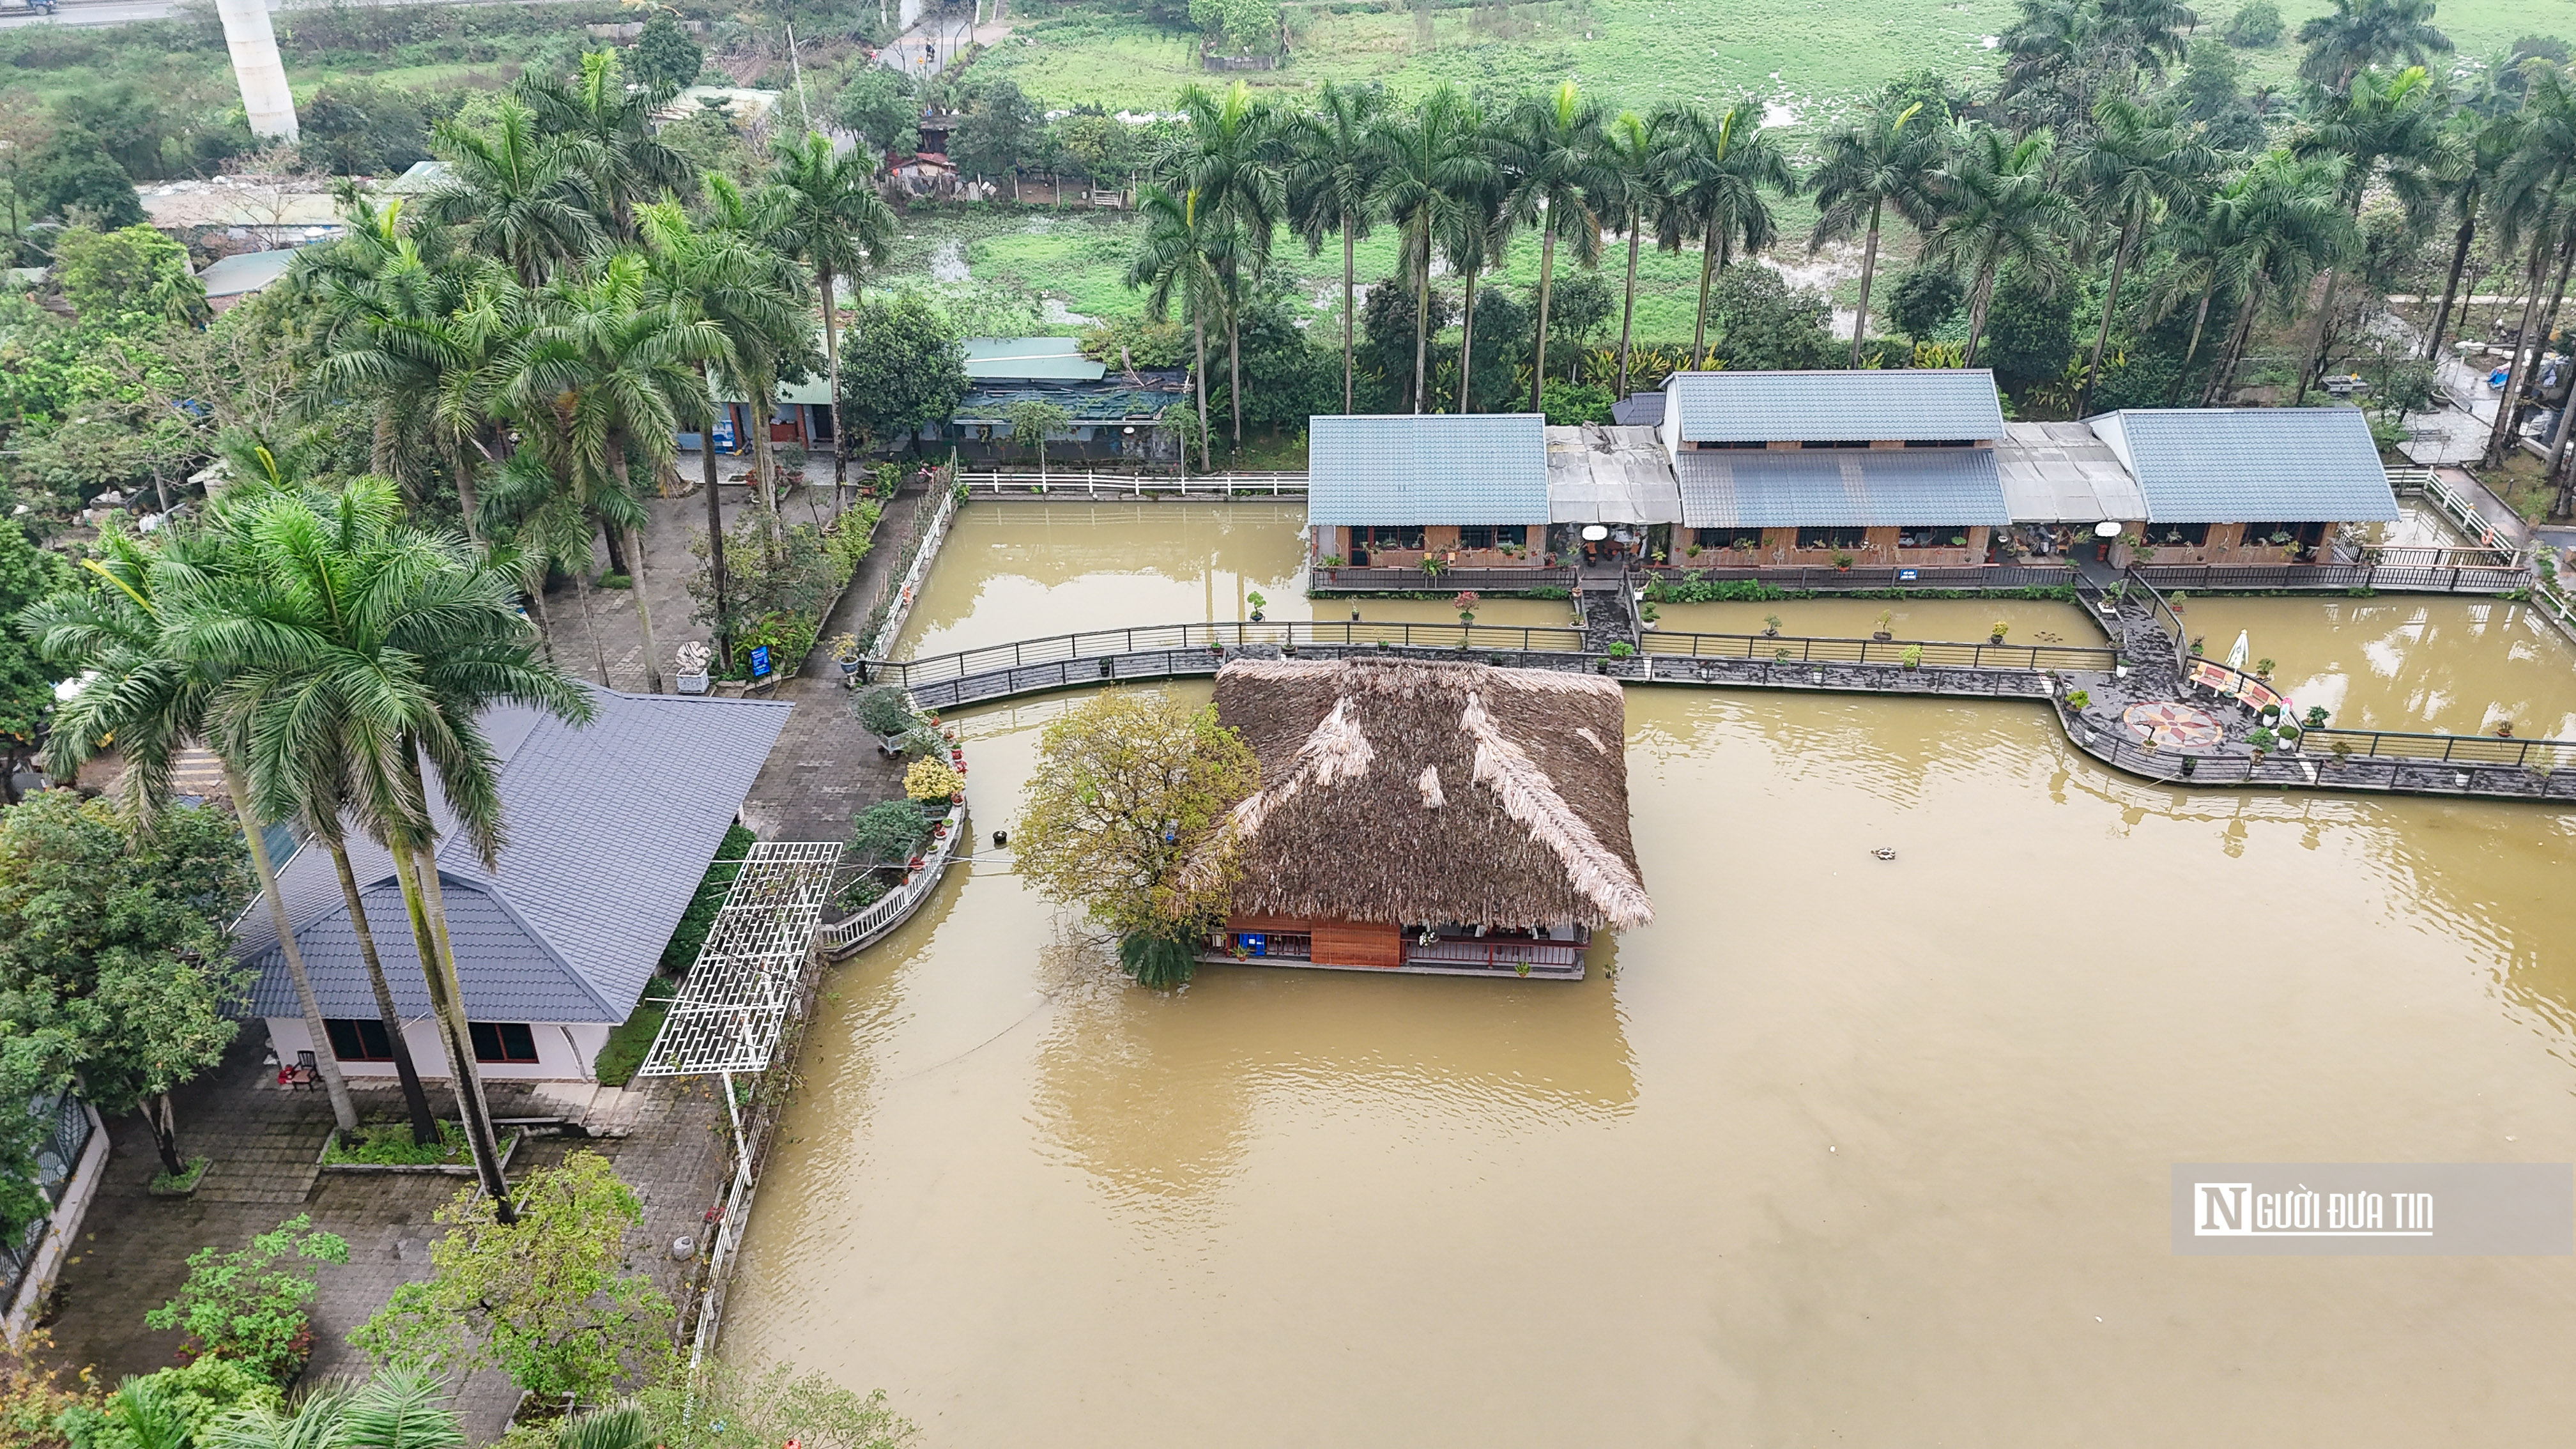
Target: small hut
(1452, 819)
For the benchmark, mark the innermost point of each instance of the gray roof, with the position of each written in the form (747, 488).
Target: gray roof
(2242, 465)
(245, 272)
(1867, 405)
(2064, 473)
(1059, 358)
(610, 826)
(1638, 410)
(1426, 468)
(1841, 488)
(1599, 474)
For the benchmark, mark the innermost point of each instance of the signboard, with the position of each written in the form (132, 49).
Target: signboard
(1906, 576)
(724, 432)
(1254, 943)
(760, 661)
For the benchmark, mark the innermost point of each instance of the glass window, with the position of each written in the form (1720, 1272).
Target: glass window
(1842, 538)
(1933, 535)
(1939, 442)
(2302, 534)
(503, 1041)
(1840, 443)
(1481, 536)
(360, 1041)
(1732, 445)
(1726, 538)
(1397, 536)
(2179, 535)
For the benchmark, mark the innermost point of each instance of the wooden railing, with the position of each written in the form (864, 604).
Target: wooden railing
(2449, 579)
(1802, 650)
(2544, 755)
(1086, 484)
(1346, 579)
(1809, 579)
(1487, 954)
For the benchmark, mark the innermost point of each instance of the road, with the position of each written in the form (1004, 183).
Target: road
(126, 12)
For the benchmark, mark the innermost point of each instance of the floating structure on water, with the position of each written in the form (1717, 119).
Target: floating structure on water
(1423, 816)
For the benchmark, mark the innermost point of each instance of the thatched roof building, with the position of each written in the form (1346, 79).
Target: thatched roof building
(1412, 792)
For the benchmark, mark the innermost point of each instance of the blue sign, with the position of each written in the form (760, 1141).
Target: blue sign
(1905, 576)
(1254, 943)
(724, 432)
(759, 660)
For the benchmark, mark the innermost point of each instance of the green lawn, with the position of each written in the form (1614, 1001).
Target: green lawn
(634, 1037)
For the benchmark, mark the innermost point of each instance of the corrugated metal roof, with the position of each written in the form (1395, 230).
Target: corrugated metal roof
(609, 826)
(1114, 399)
(1431, 468)
(2243, 465)
(2064, 473)
(1599, 474)
(1057, 358)
(245, 272)
(1868, 405)
(1841, 488)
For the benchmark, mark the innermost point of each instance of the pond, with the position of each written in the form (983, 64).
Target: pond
(2405, 662)
(1837, 1149)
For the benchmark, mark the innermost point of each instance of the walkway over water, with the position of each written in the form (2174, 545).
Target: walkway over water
(2147, 668)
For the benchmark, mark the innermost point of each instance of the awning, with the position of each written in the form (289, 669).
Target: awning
(1841, 488)
(1598, 474)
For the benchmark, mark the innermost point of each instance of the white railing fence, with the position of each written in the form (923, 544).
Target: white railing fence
(839, 938)
(1061, 483)
(913, 577)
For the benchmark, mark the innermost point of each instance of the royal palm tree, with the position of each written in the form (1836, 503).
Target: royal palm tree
(1636, 192)
(600, 385)
(151, 697)
(2479, 144)
(1334, 172)
(2136, 166)
(1716, 168)
(1185, 256)
(750, 219)
(2530, 203)
(1228, 156)
(1472, 242)
(2363, 33)
(1886, 158)
(830, 217)
(2388, 130)
(1435, 162)
(1998, 210)
(606, 127)
(2279, 228)
(1552, 178)
(514, 193)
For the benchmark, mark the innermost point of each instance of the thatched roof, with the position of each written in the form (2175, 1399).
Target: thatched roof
(1414, 792)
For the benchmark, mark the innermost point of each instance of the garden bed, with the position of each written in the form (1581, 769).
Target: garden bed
(386, 1146)
(184, 1184)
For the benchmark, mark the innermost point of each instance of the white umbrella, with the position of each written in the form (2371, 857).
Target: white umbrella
(2236, 656)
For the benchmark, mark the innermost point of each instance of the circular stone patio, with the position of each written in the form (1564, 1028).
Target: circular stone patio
(2173, 726)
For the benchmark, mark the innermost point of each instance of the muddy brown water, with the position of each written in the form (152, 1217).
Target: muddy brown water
(1837, 1150)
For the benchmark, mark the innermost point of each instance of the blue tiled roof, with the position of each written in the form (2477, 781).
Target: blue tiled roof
(1841, 488)
(609, 828)
(1431, 468)
(1877, 404)
(2245, 465)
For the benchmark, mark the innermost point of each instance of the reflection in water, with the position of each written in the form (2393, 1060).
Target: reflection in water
(1900, 1129)
(2449, 666)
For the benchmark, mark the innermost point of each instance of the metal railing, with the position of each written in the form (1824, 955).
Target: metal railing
(2425, 483)
(1803, 650)
(1447, 580)
(1485, 954)
(925, 553)
(839, 938)
(2314, 769)
(1061, 483)
(2543, 755)
(1811, 579)
(2457, 578)
(2168, 623)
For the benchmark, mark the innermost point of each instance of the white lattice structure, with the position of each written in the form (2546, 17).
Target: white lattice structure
(731, 1012)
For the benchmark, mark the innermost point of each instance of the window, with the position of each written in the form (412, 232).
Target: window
(1398, 536)
(1732, 444)
(360, 1041)
(1933, 535)
(2179, 535)
(1841, 538)
(1940, 442)
(1726, 538)
(1843, 443)
(502, 1041)
(2304, 535)
(1479, 536)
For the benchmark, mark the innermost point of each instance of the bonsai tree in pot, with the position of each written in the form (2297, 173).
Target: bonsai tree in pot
(1885, 618)
(1997, 633)
(886, 714)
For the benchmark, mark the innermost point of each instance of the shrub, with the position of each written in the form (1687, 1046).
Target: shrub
(1621, 649)
(2079, 699)
(884, 710)
(932, 778)
(887, 833)
(188, 1398)
(2255, 25)
(243, 1306)
(1911, 656)
(681, 951)
(389, 1144)
(2261, 738)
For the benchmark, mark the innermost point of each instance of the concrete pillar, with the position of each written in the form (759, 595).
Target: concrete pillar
(269, 104)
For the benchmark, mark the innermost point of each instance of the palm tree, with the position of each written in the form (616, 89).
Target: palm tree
(2389, 131)
(1636, 192)
(1998, 209)
(513, 194)
(765, 355)
(396, 1408)
(2280, 231)
(1334, 171)
(2530, 198)
(364, 646)
(152, 697)
(1473, 241)
(1553, 176)
(1434, 161)
(1879, 161)
(1228, 157)
(2062, 57)
(831, 218)
(600, 384)
(2364, 33)
(2479, 145)
(1185, 255)
(1716, 168)
(606, 126)
(2136, 166)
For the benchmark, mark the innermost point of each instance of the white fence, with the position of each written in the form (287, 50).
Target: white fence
(1088, 485)
(913, 577)
(839, 938)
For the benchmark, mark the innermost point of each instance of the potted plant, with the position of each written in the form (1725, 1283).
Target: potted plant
(1842, 561)
(1329, 561)
(885, 713)
(2288, 735)
(1465, 604)
(933, 783)
(1770, 626)
(1911, 656)
(2263, 669)
(2079, 700)
(2317, 716)
(1647, 614)
(2261, 741)
(845, 653)
(1257, 602)
(1995, 635)
(1885, 618)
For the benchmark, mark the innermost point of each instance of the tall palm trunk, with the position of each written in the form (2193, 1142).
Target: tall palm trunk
(584, 588)
(1346, 311)
(1422, 317)
(2110, 302)
(424, 1123)
(416, 868)
(2460, 241)
(325, 1061)
(2534, 273)
(824, 279)
(715, 531)
(2239, 338)
(1869, 273)
(764, 464)
(2199, 319)
(1711, 244)
(643, 612)
(1628, 304)
(466, 501)
(1546, 270)
(1980, 296)
(1198, 336)
(1234, 377)
(1467, 344)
